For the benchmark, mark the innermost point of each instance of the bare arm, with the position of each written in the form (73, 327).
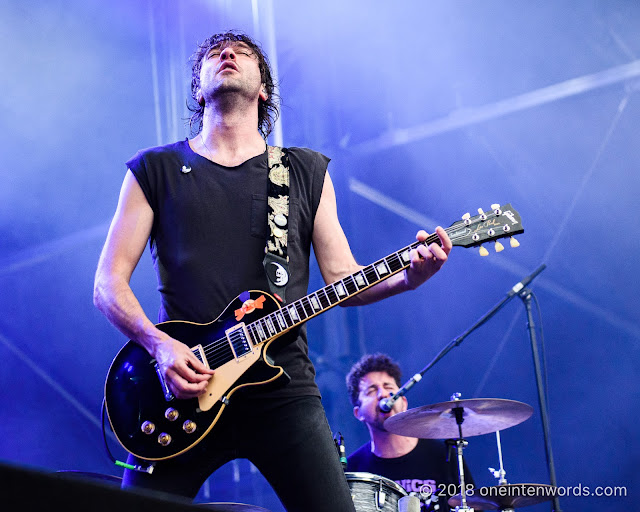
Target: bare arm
(336, 260)
(112, 294)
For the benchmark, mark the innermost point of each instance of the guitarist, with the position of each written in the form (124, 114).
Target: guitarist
(201, 204)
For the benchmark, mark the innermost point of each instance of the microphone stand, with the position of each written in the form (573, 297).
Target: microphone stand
(525, 294)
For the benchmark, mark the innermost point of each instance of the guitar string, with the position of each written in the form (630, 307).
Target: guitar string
(219, 345)
(220, 349)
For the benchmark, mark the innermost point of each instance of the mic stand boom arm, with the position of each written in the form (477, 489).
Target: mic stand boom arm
(520, 289)
(387, 403)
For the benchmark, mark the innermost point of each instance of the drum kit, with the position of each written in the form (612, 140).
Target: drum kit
(460, 418)
(453, 420)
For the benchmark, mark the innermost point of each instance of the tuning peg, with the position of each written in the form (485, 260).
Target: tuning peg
(480, 211)
(499, 247)
(467, 219)
(495, 206)
(513, 242)
(483, 251)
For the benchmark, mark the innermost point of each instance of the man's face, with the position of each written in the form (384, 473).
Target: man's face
(374, 387)
(231, 67)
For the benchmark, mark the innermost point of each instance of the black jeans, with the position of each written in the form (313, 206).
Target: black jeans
(288, 440)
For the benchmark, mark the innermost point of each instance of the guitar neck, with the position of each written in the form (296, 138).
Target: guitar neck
(499, 222)
(301, 310)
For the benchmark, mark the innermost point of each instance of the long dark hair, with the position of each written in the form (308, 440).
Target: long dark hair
(268, 110)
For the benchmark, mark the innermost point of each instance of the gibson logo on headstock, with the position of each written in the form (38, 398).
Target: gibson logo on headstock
(510, 216)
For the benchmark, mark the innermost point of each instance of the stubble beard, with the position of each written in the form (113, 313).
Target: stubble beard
(229, 94)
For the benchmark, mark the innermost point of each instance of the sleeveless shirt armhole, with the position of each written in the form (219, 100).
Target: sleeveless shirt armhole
(137, 166)
(319, 175)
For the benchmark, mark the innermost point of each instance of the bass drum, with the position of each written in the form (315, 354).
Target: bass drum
(374, 493)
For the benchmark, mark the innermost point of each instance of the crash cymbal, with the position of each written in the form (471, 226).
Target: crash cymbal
(506, 496)
(232, 507)
(438, 421)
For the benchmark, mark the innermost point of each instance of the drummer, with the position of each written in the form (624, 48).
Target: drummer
(426, 468)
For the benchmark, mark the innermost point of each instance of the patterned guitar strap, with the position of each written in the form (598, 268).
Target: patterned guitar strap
(276, 260)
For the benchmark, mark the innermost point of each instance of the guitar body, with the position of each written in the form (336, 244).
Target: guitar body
(147, 421)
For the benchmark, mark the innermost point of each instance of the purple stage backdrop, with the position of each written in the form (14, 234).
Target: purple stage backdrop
(428, 110)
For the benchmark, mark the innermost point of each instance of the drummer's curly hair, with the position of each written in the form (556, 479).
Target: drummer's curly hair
(368, 363)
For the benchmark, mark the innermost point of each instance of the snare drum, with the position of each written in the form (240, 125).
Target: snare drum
(374, 493)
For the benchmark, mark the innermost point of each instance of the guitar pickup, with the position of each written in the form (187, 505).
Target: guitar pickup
(239, 340)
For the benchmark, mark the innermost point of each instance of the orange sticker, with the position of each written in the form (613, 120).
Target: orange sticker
(249, 306)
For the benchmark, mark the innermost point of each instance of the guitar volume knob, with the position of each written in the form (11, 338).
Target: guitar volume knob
(189, 426)
(147, 427)
(164, 439)
(171, 414)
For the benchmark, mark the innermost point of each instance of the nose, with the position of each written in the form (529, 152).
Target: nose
(383, 393)
(227, 53)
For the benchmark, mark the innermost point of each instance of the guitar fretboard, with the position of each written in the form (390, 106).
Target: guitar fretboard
(500, 222)
(303, 309)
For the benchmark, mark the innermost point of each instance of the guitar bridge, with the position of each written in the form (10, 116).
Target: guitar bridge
(168, 395)
(239, 340)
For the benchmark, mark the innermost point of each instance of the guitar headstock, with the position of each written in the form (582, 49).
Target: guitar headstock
(498, 222)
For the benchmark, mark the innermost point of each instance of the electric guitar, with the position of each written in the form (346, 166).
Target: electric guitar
(150, 423)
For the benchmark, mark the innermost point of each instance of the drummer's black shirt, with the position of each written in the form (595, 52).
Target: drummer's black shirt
(429, 471)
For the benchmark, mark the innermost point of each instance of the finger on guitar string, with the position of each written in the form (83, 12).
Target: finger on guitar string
(445, 241)
(184, 388)
(194, 377)
(198, 368)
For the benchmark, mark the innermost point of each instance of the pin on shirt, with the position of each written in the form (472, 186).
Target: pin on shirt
(185, 169)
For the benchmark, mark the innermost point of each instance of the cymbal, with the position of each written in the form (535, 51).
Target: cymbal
(480, 416)
(504, 496)
(232, 507)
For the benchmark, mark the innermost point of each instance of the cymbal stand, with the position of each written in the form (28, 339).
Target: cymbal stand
(501, 473)
(461, 443)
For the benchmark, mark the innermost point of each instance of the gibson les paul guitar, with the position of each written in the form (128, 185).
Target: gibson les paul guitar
(150, 423)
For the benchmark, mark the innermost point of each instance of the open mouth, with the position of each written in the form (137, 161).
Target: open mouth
(227, 65)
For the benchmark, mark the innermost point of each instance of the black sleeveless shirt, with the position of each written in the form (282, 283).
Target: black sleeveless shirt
(209, 234)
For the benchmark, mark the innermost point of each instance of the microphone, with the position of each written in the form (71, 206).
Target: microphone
(339, 442)
(519, 286)
(387, 403)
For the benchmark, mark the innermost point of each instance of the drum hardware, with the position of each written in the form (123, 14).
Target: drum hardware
(479, 416)
(505, 497)
(500, 474)
(460, 445)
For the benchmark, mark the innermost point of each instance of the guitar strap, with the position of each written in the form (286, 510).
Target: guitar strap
(276, 260)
